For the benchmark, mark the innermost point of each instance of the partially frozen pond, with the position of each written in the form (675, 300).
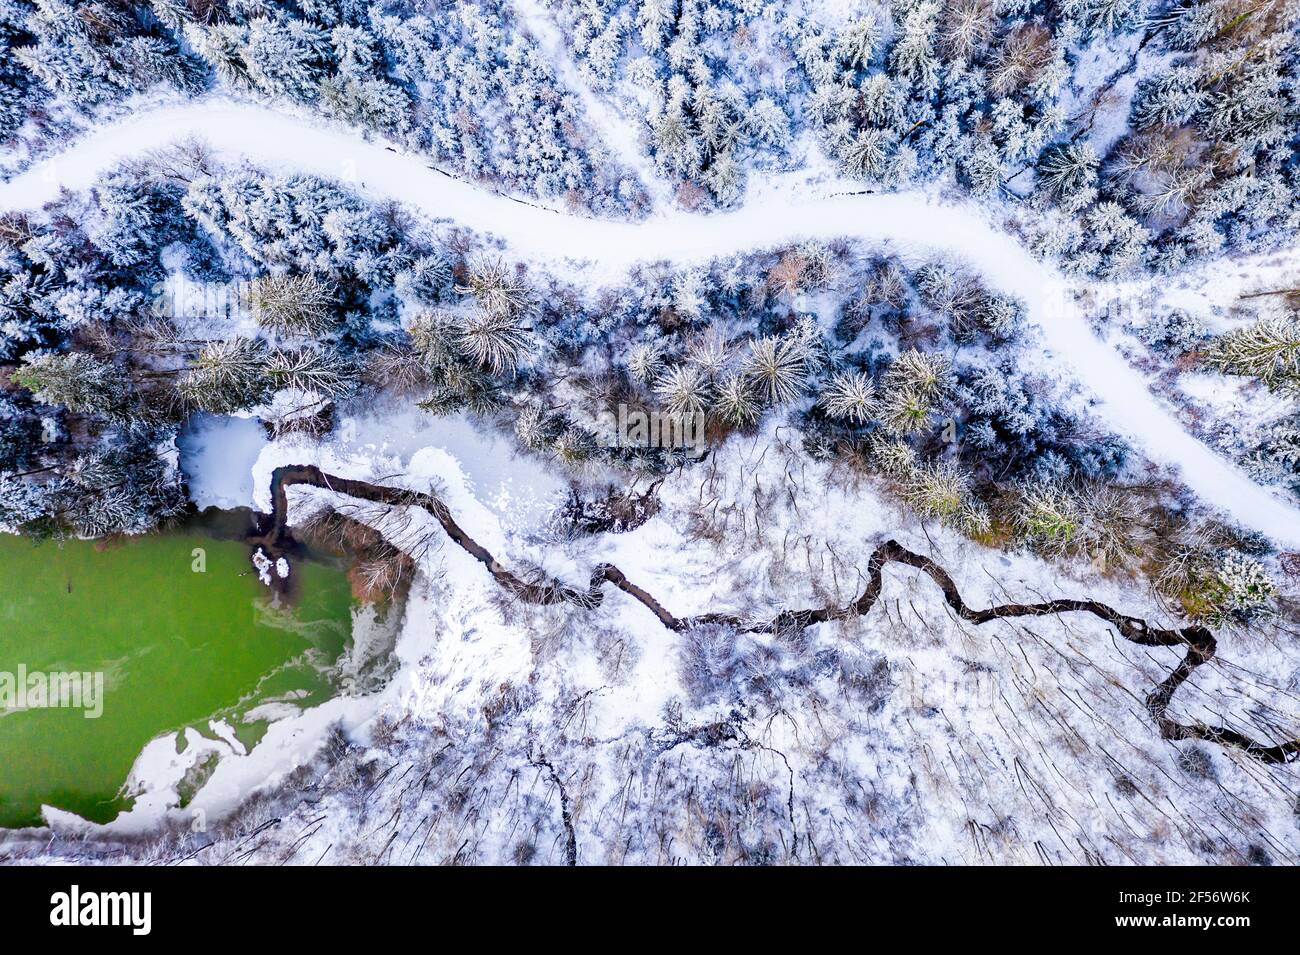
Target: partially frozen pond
(182, 633)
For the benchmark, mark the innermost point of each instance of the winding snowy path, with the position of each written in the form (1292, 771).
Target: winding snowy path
(910, 223)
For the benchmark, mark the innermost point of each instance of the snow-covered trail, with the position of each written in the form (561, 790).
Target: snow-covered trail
(911, 224)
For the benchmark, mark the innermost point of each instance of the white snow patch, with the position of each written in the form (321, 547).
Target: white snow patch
(217, 456)
(395, 441)
(263, 565)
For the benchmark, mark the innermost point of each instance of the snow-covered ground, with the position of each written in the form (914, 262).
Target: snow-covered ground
(908, 223)
(904, 736)
(217, 454)
(228, 460)
(1230, 413)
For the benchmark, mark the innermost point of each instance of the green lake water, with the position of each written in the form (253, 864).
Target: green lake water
(177, 648)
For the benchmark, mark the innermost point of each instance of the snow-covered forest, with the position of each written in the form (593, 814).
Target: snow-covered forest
(440, 249)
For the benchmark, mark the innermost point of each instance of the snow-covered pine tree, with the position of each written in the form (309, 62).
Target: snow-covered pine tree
(942, 490)
(869, 154)
(966, 27)
(913, 54)
(683, 389)
(644, 361)
(736, 401)
(493, 339)
(77, 380)
(227, 376)
(23, 501)
(498, 288)
(1171, 98)
(1268, 349)
(1046, 515)
(708, 352)
(849, 396)
(325, 372)
(424, 281)
(287, 56)
(1067, 173)
(779, 367)
(294, 304)
(911, 389)
(128, 223)
(856, 43)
